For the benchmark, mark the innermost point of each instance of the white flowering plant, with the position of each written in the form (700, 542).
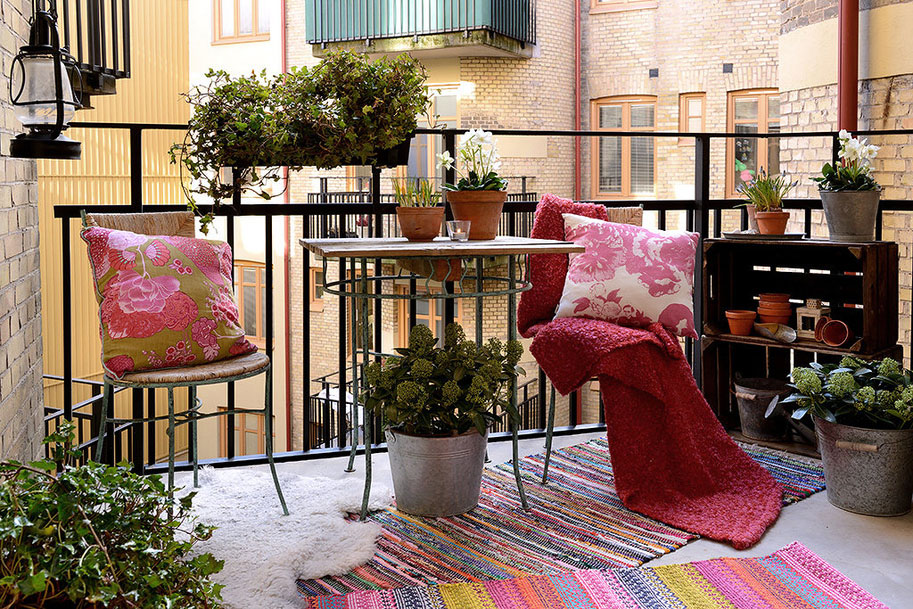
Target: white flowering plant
(854, 171)
(479, 159)
(874, 395)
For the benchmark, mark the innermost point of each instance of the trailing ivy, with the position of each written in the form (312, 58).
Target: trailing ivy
(97, 536)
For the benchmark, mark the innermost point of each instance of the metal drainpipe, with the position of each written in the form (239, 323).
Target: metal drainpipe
(288, 272)
(577, 125)
(847, 64)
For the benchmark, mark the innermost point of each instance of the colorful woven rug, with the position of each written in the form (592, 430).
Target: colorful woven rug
(575, 522)
(793, 578)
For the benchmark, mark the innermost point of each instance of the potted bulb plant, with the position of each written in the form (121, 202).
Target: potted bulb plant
(765, 194)
(849, 193)
(479, 194)
(863, 416)
(437, 404)
(418, 211)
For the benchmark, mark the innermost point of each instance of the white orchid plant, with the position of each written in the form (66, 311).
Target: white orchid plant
(854, 171)
(479, 159)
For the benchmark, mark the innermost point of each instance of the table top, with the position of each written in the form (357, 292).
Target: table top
(400, 247)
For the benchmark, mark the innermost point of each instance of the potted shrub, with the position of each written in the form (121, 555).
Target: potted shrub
(479, 194)
(98, 536)
(418, 211)
(345, 110)
(437, 405)
(849, 193)
(765, 195)
(863, 416)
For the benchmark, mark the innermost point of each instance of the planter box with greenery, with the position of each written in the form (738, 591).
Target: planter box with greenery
(437, 405)
(863, 415)
(346, 110)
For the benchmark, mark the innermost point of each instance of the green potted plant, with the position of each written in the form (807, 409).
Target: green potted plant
(345, 110)
(849, 193)
(98, 536)
(863, 416)
(765, 194)
(479, 194)
(437, 405)
(418, 211)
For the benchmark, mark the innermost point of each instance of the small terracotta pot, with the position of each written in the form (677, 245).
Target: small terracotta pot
(776, 306)
(773, 297)
(437, 269)
(835, 333)
(420, 223)
(776, 311)
(481, 207)
(774, 318)
(819, 327)
(772, 222)
(740, 321)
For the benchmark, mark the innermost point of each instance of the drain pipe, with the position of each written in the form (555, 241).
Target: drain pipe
(577, 122)
(847, 64)
(288, 271)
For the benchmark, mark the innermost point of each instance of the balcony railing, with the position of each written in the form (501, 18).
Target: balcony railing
(702, 214)
(97, 32)
(344, 20)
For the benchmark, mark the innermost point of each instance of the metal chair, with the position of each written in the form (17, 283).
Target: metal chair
(181, 224)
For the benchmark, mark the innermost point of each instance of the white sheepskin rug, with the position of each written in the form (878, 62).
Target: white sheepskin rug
(264, 551)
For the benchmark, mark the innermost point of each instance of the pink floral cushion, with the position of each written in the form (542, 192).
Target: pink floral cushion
(630, 275)
(164, 302)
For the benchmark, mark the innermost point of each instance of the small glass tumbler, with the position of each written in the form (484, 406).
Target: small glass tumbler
(458, 230)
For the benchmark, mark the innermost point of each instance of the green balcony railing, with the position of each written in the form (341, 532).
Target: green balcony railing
(344, 20)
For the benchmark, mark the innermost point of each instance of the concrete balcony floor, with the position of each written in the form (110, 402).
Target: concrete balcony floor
(877, 553)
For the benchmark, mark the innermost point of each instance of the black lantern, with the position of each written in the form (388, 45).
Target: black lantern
(41, 90)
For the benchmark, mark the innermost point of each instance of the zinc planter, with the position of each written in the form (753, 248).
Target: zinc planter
(867, 471)
(851, 215)
(754, 396)
(436, 476)
(481, 207)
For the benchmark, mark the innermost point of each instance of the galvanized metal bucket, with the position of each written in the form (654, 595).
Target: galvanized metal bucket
(436, 476)
(867, 471)
(754, 396)
(851, 215)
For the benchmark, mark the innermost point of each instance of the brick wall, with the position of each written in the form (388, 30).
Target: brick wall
(799, 13)
(21, 413)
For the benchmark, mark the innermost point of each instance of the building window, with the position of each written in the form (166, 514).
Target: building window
(240, 20)
(250, 292)
(624, 166)
(316, 290)
(691, 112)
(250, 434)
(614, 6)
(428, 312)
(752, 112)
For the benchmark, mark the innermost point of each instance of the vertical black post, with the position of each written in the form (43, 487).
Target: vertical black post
(378, 286)
(271, 319)
(305, 337)
(150, 428)
(449, 177)
(67, 314)
(543, 399)
(136, 202)
(342, 403)
(230, 238)
(701, 205)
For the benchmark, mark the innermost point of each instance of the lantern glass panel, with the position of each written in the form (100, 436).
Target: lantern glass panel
(37, 73)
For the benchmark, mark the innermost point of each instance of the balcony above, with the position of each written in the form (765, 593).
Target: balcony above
(442, 28)
(97, 33)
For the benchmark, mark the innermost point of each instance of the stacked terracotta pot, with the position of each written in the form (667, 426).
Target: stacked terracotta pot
(775, 309)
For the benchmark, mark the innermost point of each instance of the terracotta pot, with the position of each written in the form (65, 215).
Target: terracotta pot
(775, 317)
(775, 311)
(437, 269)
(420, 223)
(835, 333)
(819, 327)
(773, 297)
(481, 207)
(772, 222)
(776, 306)
(740, 321)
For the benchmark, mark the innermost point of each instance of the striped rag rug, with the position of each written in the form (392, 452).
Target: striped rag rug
(575, 522)
(792, 578)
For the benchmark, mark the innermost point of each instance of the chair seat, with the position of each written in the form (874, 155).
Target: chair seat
(202, 374)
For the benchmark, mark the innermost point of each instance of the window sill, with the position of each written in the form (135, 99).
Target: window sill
(609, 7)
(240, 39)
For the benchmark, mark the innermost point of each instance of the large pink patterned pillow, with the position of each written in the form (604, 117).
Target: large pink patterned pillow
(164, 302)
(630, 275)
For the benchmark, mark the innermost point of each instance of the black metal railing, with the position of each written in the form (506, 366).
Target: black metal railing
(97, 33)
(702, 214)
(343, 20)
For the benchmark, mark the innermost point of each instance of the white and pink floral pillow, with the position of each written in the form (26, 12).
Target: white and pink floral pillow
(630, 275)
(164, 302)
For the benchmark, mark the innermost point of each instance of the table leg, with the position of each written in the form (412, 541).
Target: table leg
(515, 420)
(342, 390)
(368, 416)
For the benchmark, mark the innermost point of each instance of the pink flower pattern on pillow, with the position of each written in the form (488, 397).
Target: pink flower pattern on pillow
(163, 301)
(630, 275)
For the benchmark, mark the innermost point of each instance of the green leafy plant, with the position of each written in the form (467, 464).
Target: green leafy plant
(766, 192)
(345, 110)
(854, 171)
(875, 395)
(97, 536)
(480, 161)
(415, 193)
(443, 391)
